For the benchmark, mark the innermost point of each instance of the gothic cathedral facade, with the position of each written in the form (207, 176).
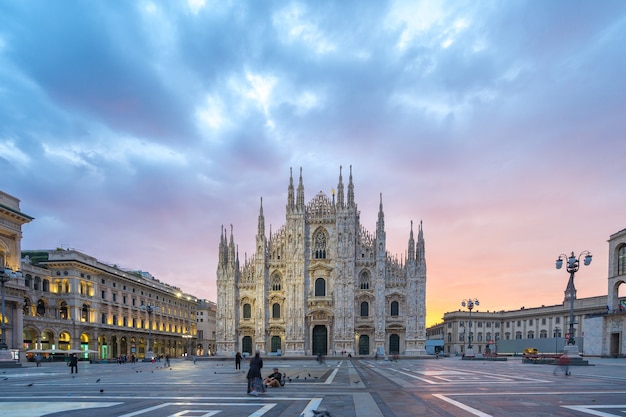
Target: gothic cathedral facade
(322, 284)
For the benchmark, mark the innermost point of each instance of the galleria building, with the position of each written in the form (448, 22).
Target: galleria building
(322, 284)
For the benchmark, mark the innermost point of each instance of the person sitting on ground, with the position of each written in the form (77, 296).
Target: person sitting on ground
(273, 380)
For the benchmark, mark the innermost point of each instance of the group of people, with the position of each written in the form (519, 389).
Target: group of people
(256, 383)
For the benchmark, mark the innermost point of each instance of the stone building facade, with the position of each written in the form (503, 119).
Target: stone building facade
(73, 301)
(322, 284)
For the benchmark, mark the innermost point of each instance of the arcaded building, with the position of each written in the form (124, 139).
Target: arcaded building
(322, 284)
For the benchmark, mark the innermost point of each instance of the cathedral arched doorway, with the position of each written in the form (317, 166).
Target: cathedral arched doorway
(276, 343)
(394, 344)
(320, 340)
(364, 345)
(246, 345)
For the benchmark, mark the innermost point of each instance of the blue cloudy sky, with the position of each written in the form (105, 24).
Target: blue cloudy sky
(134, 130)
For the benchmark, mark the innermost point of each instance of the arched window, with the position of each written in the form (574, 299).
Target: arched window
(319, 245)
(543, 334)
(275, 283)
(394, 308)
(26, 308)
(275, 311)
(364, 280)
(27, 280)
(518, 335)
(84, 314)
(37, 283)
(530, 335)
(63, 310)
(621, 260)
(365, 309)
(320, 287)
(46, 285)
(59, 287)
(41, 308)
(247, 311)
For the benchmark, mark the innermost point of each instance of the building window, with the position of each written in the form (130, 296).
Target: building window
(507, 336)
(394, 309)
(364, 280)
(508, 324)
(479, 324)
(531, 335)
(557, 320)
(46, 285)
(37, 283)
(519, 323)
(530, 322)
(480, 337)
(518, 335)
(621, 260)
(320, 287)
(114, 297)
(543, 334)
(103, 295)
(365, 309)
(247, 311)
(103, 318)
(275, 311)
(543, 321)
(276, 282)
(449, 337)
(319, 245)
(488, 324)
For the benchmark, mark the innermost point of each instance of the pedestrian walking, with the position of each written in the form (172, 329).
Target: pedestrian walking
(562, 364)
(73, 363)
(255, 381)
(238, 361)
(38, 360)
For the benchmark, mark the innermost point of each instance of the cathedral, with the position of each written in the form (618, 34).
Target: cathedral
(322, 284)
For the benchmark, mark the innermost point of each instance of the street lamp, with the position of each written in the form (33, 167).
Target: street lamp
(187, 336)
(470, 303)
(149, 309)
(557, 332)
(573, 263)
(7, 275)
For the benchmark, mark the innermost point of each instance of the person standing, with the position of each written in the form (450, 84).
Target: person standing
(38, 360)
(74, 363)
(255, 381)
(238, 361)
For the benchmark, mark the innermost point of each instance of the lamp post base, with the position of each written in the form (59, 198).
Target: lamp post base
(149, 356)
(470, 352)
(571, 351)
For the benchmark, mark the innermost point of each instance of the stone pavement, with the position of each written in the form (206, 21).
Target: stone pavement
(344, 388)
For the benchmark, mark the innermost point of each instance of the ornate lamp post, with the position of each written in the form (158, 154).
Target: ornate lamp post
(470, 303)
(7, 275)
(573, 264)
(149, 309)
(557, 332)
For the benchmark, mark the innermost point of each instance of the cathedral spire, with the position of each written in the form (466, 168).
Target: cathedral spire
(290, 192)
(231, 247)
(420, 251)
(411, 254)
(340, 202)
(380, 224)
(261, 226)
(351, 191)
(300, 198)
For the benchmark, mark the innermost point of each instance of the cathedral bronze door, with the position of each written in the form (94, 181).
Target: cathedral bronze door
(364, 345)
(246, 345)
(394, 344)
(320, 340)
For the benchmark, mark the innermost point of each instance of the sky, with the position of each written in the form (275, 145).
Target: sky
(133, 131)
